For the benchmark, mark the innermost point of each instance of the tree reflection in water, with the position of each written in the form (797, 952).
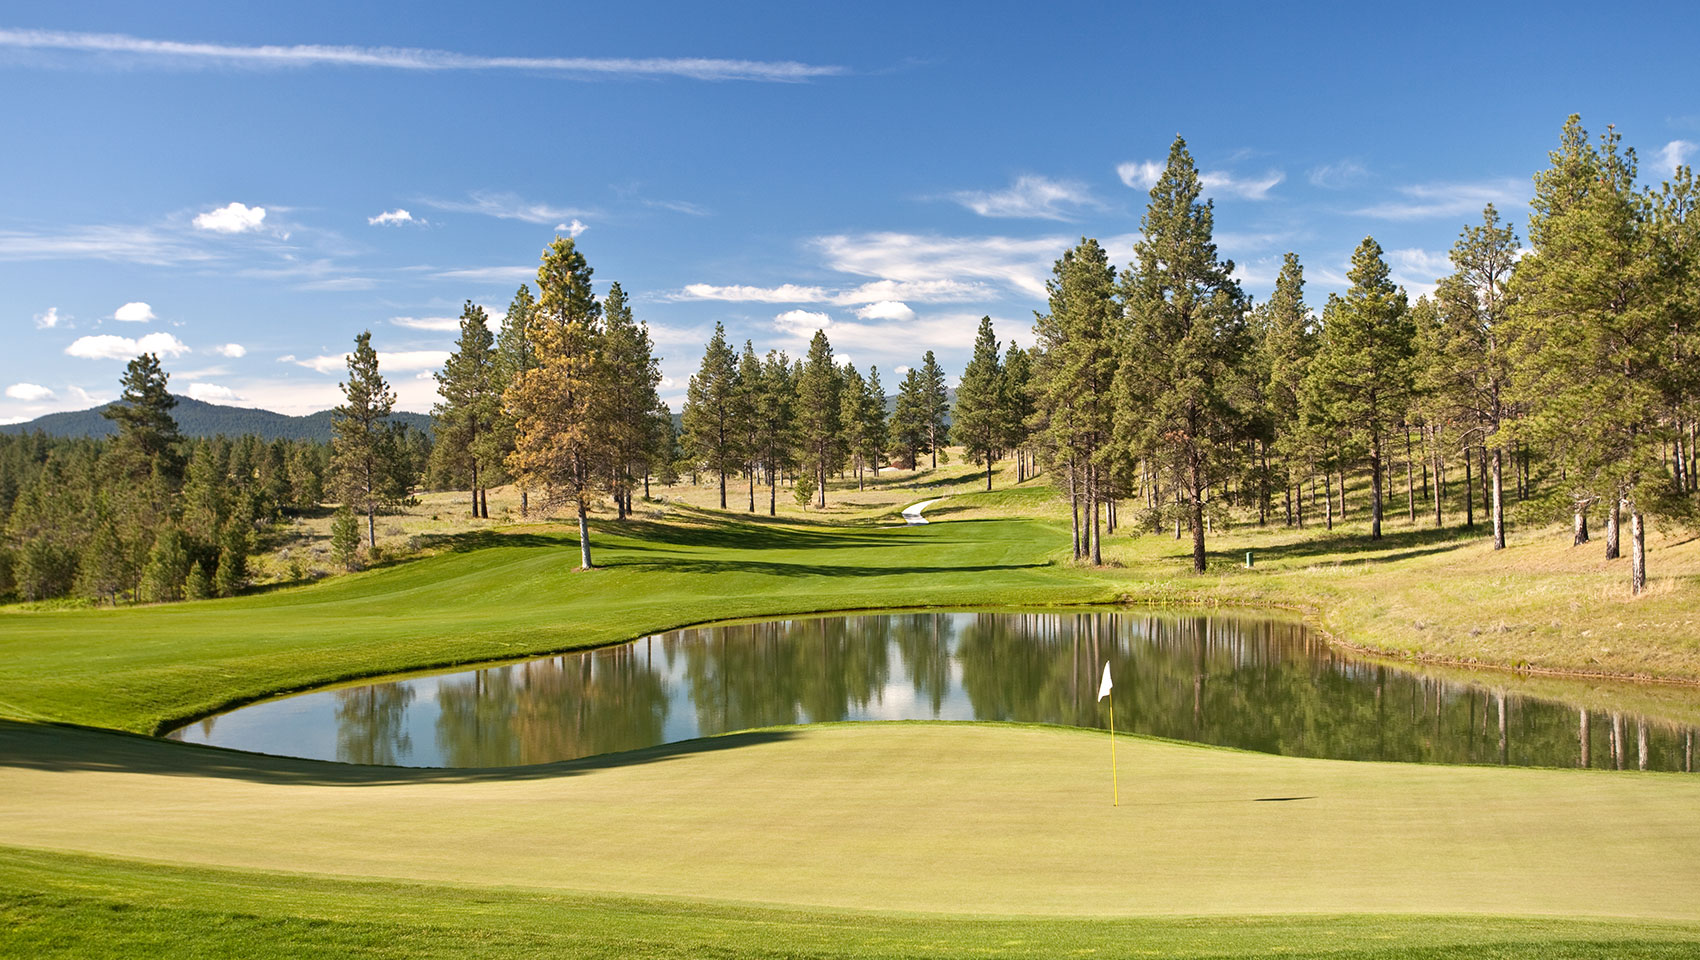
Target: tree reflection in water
(1255, 683)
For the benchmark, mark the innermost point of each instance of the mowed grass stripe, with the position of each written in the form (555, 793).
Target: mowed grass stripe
(953, 818)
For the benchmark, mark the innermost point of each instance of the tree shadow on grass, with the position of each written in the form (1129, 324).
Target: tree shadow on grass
(68, 749)
(1402, 545)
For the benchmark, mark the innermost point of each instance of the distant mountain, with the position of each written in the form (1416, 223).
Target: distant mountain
(197, 418)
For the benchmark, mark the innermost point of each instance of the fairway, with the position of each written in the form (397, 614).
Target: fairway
(913, 817)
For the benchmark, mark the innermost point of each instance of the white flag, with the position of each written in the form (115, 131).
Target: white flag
(1104, 687)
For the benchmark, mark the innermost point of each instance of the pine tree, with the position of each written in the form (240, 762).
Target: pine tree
(938, 408)
(711, 409)
(361, 455)
(819, 427)
(1079, 350)
(466, 415)
(1361, 375)
(980, 417)
(561, 405)
(1470, 369)
(1018, 375)
(872, 431)
(1187, 343)
(345, 537)
(514, 356)
(196, 586)
(775, 421)
(752, 384)
(1287, 342)
(148, 438)
(632, 374)
(1592, 335)
(910, 424)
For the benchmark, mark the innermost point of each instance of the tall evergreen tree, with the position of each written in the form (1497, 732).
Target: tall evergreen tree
(752, 384)
(776, 408)
(852, 398)
(981, 415)
(362, 451)
(938, 407)
(1187, 342)
(1361, 374)
(560, 406)
(1018, 374)
(1287, 341)
(911, 427)
(819, 427)
(711, 409)
(1471, 369)
(633, 376)
(470, 405)
(873, 432)
(515, 355)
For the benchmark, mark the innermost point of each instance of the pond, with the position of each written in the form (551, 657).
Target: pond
(1249, 681)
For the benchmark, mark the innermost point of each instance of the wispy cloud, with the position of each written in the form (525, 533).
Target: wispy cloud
(571, 229)
(680, 206)
(233, 217)
(896, 339)
(1019, 264)
(1144, 175)
(1030, 197)
(108, 346)
(231, 350)
(886, 310)
(180, 53)
(427, 323)
(1418, 270)
(1425, 200)
(738, 293)
(1674, 154)
(1335, 176)
(507, 206)
(143, 245)
(488, 274)
(401, 361)
(48, 320)
(213, 393)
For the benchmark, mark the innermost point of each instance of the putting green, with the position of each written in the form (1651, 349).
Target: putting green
(954, 818)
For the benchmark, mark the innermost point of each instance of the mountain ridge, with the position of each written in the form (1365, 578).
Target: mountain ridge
(197, 418)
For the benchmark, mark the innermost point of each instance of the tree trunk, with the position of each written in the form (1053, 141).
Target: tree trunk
(1410, 478)
(1327, 496)
(752, 487)
(1585, 735)
(525, 503)
(475, 489)
(1498, 501)
(1196, 470)
(1375, 486)
(1342, 476)
(1580, 526)
(583, 536)
(371, 523)
(1074, 506)
(1469, 494)
(484, 501)
(723, 486)
(1612, 552)
(772, 492)
(988, 472)
(1637, 552)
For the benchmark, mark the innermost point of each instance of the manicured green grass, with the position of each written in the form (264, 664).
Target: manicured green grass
(57, 905)
(835, 839)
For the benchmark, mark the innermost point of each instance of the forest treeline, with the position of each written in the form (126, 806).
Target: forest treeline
(149, 515)
(1563, 372)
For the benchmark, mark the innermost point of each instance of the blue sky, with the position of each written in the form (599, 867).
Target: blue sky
(223, 183)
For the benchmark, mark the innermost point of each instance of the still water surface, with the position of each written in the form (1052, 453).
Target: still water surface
(1243, 681)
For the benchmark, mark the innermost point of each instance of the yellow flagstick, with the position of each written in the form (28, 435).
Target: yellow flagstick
(1115, 779)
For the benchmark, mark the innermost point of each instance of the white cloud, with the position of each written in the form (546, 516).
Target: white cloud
(134, 312)
(233, 217)
(1018, 264)
(920, 291)
(1140, 176)
(1249, 188)
(48, 320)
(392, 217)
(402, 361)
(427, 323)
(1333, 176)
(88, 399)
(802, 323)
(212, 393)
(901, 371)
(1427, 200)
(784, 293)
(119, 244)
(173, 52)
(680, 206)
(1145, 174)
(29, 392)
(571, 229)
(508, 206)
(232, 350)
(1029, 197)
(886, 310)
(107, 346)
(488, 274)
(1418, 270)
(1675, 154)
